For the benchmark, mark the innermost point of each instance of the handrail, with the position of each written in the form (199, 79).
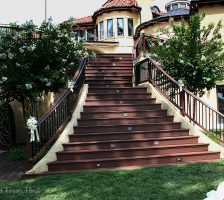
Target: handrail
(52, 123)
(191, 106)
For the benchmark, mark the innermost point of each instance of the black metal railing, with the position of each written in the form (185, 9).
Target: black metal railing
(53, 122)
(198, 112)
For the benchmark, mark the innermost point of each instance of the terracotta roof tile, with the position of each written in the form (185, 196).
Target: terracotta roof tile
(84, 20)
(119, 3)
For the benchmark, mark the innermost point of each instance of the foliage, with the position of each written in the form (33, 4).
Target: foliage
(17, 154)
(194, 54)
(34, 61)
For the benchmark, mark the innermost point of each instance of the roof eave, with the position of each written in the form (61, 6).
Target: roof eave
(121, 8)
(158, 20)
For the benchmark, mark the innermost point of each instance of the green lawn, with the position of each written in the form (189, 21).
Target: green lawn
(182, 182)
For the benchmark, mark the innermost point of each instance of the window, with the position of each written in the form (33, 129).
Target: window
(81, 34)
(120, 26)
(90, 35)
(101, 30)
(220, 91)
(174, 6)
(168, 8)
(130, 27)
(110, 28)
(182, 5)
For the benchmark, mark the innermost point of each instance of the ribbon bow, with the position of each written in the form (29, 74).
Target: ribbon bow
(181, 84)
(71, 84)
(32, 125)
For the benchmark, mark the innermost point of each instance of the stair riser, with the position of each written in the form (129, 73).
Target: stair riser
(130, 144)
(118, 102)
(129, 153)
(108, 74)
(112, 64)
(119, 59)
(117, 96)
(125, 136)
(118, 91)
(133, 162)
(105, 82)
(114, 78)
(122, 108)
(122, 115)
(123, 128)
(123, 121)
(112, 71)
(112, 55)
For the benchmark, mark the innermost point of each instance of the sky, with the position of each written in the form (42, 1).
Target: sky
(60, 10)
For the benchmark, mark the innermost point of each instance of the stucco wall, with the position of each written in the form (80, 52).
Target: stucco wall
(146, 12)
(212, 15)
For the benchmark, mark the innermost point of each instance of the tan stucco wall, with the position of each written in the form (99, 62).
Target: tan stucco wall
(212, 15)
(157, 27)
(146, 12)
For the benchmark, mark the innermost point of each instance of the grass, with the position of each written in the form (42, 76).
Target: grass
(177, 182)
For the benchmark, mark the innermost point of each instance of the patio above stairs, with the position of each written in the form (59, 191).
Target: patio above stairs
(122, 126)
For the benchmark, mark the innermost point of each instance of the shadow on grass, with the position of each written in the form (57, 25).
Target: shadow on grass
(178, 182)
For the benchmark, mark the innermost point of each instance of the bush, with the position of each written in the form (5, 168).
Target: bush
(17, 154)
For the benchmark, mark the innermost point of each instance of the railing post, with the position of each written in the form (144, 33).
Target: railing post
(150, 71)
(143, 42)
(182, 102)
(137, 74)
(29, 146)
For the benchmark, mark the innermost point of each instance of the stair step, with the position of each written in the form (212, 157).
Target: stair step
(96, 145)
(110, 78)
(95, 96)
(126, 135)
(130, 152)
(111, 64)
(127, 90)
(123, 121)
(108, 74)
(118, 114)
(133, 161)
(119, 102)
(114, 59)
(109, 70)
(130, 128)
(106, 82)
(122, 107)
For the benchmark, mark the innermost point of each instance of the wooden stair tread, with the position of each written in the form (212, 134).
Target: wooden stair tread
(130, 140)
(136, 157)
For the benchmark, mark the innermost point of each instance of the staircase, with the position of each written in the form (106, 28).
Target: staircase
(123, 126)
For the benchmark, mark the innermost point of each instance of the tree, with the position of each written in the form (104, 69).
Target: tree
(193, 54)
(36, 62)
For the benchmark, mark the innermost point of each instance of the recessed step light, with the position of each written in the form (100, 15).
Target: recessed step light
(125, 114)
(178, 159)
(121, 102)
(156, 142)
(105, 78)
(112, 145)
(98, 165)
(130, 128)
(118, 91)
